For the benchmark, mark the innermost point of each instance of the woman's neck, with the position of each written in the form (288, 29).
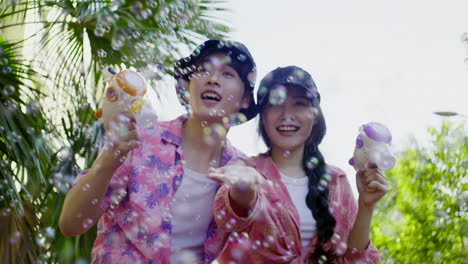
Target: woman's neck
(200, 154)
(289, 162)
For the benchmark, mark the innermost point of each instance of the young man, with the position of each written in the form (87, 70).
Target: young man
(148, 188)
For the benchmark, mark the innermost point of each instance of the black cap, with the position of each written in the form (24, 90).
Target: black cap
(286, 75)
(241, 60)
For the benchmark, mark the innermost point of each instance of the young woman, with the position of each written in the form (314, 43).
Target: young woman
(301, 210)
(148, 189)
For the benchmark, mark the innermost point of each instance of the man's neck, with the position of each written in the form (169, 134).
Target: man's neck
(201, 151)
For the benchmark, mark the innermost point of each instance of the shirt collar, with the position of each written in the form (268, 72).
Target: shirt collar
(171, 132)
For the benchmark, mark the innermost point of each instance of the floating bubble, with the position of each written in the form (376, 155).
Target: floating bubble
(99, 31)
(323, 184)
(232, 221)
(136, 34)
(326, 176)
(88, 222)
(234, 236)
(312, 162)
(86, 187)
(212, 112)
(241, 57)
(6, 212)
(117, 44)
(101, 53)
(277, 95)
(137, 6)
(286, 153)
(15, 237)
(341, 248)
(64, 154)
(235, 119)
(6, 69)
(8, 90)
(49, 232)
(35, 105)
(204, 124)
(94, 201)
(146, 13)
(214, 134)
(315, 112)
(322, 260)
(221, 112)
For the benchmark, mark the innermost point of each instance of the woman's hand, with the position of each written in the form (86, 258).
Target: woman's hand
(243, 181)
(372, 185)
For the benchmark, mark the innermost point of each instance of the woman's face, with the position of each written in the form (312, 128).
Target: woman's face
(288, 125)
(216, 89)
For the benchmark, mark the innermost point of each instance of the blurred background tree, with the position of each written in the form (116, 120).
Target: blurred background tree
(51, 56)
(425, 217)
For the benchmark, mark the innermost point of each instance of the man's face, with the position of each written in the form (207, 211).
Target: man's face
(216, 89)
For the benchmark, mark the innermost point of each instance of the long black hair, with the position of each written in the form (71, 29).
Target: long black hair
(313, 164)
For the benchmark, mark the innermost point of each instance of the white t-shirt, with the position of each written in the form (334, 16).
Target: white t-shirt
(297, 188)
(192, 211)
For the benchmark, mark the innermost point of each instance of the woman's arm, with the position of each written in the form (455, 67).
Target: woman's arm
(372, 186)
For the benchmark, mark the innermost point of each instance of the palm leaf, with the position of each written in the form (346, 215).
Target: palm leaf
(48, 131)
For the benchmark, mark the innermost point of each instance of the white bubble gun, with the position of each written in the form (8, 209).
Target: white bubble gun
(124, 93)
(373, 147)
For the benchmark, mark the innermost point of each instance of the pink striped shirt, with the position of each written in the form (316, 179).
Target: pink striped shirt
(273, 229)
(136, 224)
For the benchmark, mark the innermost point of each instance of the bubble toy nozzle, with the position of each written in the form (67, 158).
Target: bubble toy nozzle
(124, 93)
(373, 147)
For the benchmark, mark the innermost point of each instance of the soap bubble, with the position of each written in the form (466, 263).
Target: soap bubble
(100, 30)
(312, 162)
(278, 95)
(102, 53)
(87, 223)
(49, 232)
(117, 44)
(6, 69)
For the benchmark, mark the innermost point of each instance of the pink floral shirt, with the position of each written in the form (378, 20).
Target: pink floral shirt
(271, 234)
(136, 224)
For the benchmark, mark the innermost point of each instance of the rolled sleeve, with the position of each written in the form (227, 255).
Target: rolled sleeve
(226, 218)
(116, 187)
(369, 255)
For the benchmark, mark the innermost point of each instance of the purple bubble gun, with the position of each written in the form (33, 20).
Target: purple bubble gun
(373, 147)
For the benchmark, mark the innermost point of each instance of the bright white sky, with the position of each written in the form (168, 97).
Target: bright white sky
(394, 62)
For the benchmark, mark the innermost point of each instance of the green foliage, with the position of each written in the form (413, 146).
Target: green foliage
(50, 86)
(424, 217)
